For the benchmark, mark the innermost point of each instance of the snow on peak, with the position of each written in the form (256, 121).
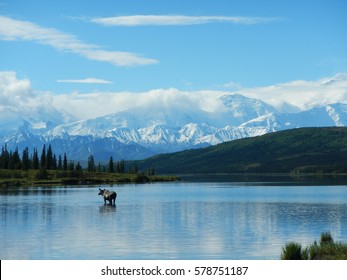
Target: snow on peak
(338, 78)
(172, 120)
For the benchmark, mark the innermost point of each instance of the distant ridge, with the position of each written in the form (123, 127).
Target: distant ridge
(302, 150)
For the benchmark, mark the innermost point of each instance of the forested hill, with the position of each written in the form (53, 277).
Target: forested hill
(303, 150)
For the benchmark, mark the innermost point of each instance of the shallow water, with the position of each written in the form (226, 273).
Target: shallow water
(214, 220)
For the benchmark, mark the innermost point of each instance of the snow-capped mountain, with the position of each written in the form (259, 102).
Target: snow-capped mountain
(131, 135)
(168, 124)
(170, 130)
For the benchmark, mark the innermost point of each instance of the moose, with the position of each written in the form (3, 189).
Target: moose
(110, 196)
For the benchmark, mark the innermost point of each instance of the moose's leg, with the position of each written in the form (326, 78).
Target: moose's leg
(104, 200)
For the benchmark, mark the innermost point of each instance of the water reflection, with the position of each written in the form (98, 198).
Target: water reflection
(31, 191)
(106, 208)
(268, 179)
(168, 221)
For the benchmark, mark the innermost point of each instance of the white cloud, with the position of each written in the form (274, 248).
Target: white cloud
(16, 95)
(137, 20)
(18, 100)
(86, 81)
(302, 94)
(12, 30)
(13, 91)
(117, 58)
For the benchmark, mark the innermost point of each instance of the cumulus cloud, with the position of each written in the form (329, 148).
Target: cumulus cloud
(302, 94)
(13, 30)
(101, 103)
(86, 81)
(18, 101)
(138, 20)
(295, 95)
(13, 91)
(17, 94)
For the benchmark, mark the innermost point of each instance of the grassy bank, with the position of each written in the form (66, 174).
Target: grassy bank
(55, 177)
(326, 249)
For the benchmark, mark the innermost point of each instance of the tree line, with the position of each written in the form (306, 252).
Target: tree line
(111, 167)
(48, 160)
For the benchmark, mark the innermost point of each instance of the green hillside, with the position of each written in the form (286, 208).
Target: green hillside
(303, 150)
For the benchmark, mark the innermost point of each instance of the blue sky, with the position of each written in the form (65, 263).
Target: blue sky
(139, 45)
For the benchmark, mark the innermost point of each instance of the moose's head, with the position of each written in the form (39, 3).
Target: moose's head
(101, 192)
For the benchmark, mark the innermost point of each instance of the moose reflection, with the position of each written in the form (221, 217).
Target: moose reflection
(110, 196)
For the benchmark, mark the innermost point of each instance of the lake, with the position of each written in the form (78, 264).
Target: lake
(178, 220)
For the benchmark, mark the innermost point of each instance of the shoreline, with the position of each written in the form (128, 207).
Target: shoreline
(31, 178)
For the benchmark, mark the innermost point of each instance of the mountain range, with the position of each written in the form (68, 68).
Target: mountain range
(319, 150)
(168, 125)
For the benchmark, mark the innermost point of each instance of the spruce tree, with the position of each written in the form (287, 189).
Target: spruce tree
(5, 158)
(25, 159)
(91, 164)
(60, 163)
(79, 170)
(16, 161)
(111, 165)
(43, 157)
(36, 162)
(98, 169)
(71, 168)
(65, 163)
(121, 166)
(49, 157)
(54, 163)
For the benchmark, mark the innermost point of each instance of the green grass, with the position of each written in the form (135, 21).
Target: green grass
(326, 249)
(292, 251)
(53, 177)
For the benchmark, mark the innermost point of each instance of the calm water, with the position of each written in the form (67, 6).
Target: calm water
(168, 221)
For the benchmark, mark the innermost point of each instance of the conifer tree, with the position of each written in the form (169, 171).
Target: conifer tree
(121, 166)
(71, 168)
(54, 163)
(91, 163)
(60, 163)
(110, 165)
(10, 161)
(36, 162)
(16, 161)
(5, 158)
(25, 159)
(65, 163)
(49, 158)
(98, 169)
(79, 171)
(43, 157)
